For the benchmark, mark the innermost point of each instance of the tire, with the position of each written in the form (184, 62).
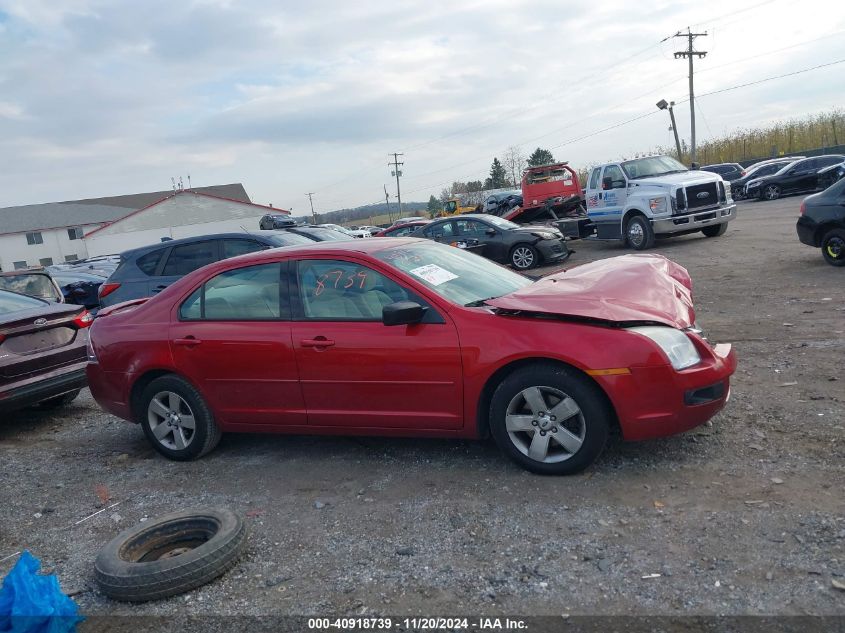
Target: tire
(524, 257)
(59, 401)
(159, 411)
(170, 555)
(638, 233)
(770, 192)
(716, 230)
(833, 247)
(583, 433)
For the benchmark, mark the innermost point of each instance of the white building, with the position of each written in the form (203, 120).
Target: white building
(45, 234)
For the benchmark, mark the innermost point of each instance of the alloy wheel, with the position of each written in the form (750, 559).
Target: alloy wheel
(523, 257)
(545, 424)
(772, 192)
(171, 420)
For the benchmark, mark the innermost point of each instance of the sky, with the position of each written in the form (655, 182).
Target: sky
(103, 98)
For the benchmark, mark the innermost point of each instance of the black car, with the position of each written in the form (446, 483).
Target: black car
(79, 287)
(728, 171)
(758, 170)
(149, 270)
(830, 175)
(522, 247)
(798, 177)
(822, 223)
(275, 221)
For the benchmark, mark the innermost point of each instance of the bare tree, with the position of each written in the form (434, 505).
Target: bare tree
(514, 162)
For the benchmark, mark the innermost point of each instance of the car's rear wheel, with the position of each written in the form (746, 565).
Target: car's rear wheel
(177, 420)
(833, 247)
(770, 192)
(524, 256)
(550, 419)
(638, 233)
(715, 230)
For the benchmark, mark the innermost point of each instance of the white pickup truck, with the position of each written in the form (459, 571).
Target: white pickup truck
(656, 196)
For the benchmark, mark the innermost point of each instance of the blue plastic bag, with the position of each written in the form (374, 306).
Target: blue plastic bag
(32, 603)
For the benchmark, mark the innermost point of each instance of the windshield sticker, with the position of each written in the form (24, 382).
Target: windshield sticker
(433, 274)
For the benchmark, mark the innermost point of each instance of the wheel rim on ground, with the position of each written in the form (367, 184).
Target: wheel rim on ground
(171, 420)
(545, 424)
(523, 257)
(836, 248)
(636, 235)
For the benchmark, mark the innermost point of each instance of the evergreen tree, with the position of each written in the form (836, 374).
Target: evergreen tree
(540, 157)
(498, 176)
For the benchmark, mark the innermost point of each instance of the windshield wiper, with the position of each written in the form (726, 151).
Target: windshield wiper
(478, 302)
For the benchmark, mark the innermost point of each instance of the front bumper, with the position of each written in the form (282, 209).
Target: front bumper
(553, 250)
(659, 401)
(40, 388)
(806, 229)
(695, 220)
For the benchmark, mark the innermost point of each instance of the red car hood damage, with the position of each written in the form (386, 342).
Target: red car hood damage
(629, 288)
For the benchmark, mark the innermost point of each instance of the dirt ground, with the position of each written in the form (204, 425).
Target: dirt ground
(745, 516)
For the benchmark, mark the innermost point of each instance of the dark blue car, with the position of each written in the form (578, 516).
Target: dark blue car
(146, 271)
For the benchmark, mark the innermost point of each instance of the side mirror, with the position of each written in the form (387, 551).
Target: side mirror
(607, 182)
(402, 313)
(490, 231)
(695, 166)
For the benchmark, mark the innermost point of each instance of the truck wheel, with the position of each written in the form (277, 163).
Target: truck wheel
(638, 233)
(716, 230)
(524, 256)
(833, 247)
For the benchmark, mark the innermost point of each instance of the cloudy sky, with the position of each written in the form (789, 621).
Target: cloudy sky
(101, 98)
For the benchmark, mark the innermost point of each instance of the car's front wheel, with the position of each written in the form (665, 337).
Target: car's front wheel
(524, 256)
(833, 247)
(770, 192)
(715, 230)
(550, 419)
(177, 420)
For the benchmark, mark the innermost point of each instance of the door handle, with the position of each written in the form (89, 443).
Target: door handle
(188, 341)
(320, 341)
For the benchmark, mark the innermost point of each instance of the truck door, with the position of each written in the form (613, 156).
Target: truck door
(606, 198)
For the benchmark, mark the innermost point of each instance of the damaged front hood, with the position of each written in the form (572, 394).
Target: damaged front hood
(629, 288)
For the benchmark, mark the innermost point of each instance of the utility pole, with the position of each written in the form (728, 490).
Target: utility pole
(689, 54)
(387, 202)
(313, 215)
(663, 105)
(396, 172)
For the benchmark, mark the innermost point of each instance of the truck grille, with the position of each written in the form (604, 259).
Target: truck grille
(700, 196)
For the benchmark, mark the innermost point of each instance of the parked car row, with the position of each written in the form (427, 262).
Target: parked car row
(800, 176)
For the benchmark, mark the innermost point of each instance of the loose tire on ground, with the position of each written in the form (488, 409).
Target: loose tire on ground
(550, 411)
(59, 401)
(638, 233)
(833, 247)
(715, 230)
(169, 407)
(170, 555)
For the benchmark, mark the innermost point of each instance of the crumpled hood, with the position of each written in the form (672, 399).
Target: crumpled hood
(618, 289)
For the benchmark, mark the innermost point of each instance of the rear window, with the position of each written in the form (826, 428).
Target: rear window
(10, 302)
(289, 239)
(34, 285)
(187, 258)
(149, 262)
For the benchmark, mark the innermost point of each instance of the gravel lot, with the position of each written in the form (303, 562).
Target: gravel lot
(746, 516)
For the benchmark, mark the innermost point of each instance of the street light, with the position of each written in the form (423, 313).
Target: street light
(662, 105)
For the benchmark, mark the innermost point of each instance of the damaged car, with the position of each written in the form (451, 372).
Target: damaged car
(408, 337)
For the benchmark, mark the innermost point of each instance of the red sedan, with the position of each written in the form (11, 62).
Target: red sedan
(408, 337)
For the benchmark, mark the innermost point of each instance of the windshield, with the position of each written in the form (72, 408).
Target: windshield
(326, 235)
(32, 284)
(10, 302)
(787, 167)
(651, 166)
(455, 275)
(501, 223)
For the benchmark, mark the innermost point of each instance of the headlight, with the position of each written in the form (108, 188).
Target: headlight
(543, 235)
(657, 205)
(674, 343)
(753, 183)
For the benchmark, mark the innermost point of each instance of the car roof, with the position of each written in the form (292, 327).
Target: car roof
(143, 250)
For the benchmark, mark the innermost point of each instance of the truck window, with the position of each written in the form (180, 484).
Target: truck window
(560, 174)
(538, 176)
(614, 172)
(594, 178)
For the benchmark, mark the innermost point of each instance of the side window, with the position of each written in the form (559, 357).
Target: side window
(187, 258)
(614, 172)
(470, 227)
(333, 290)
(149, 263)
(807, 165)
(233, 248)
(594, 178)
(827, 161)
(244, 294)
(444, 229)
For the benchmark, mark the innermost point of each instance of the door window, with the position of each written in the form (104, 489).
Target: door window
(594, 178)
(331, 290)
(187, 258)
(439, 231)
(244, 294)
(614, 172)
(233, 248)
(471, 228)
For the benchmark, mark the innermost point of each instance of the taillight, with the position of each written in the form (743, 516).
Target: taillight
(803, 208)
(106, 289)
(743, 172)
(83, 319)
